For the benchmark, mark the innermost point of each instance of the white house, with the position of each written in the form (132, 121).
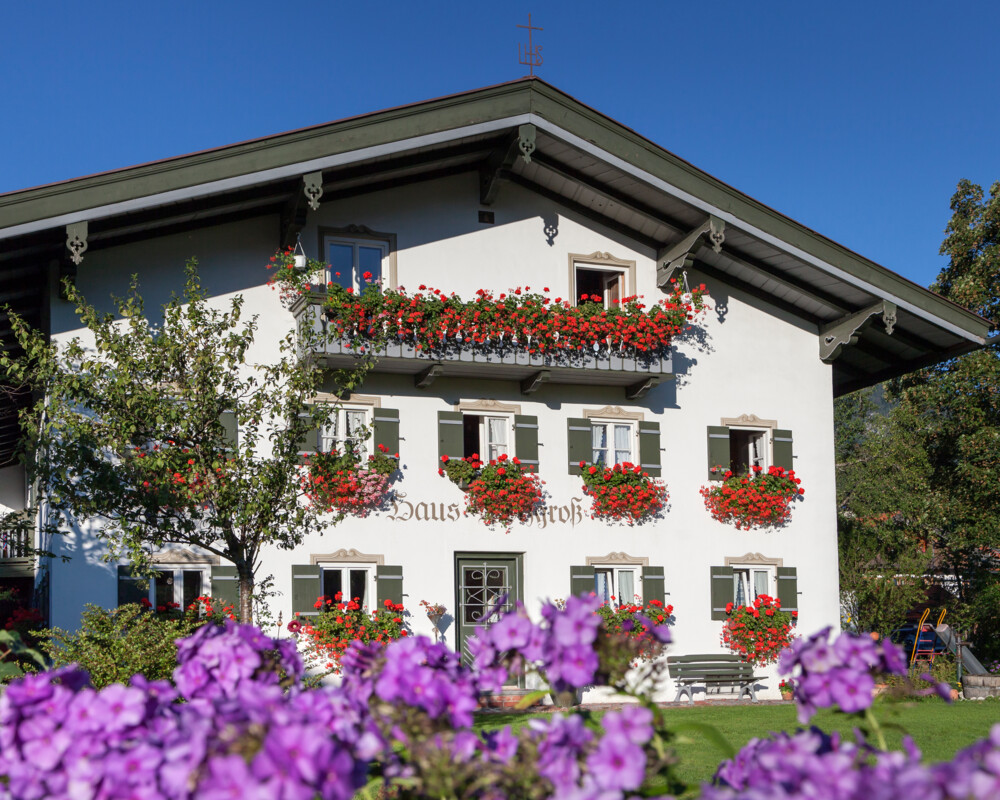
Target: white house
(512, 185)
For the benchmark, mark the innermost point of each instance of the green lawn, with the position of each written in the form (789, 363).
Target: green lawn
(938, 729)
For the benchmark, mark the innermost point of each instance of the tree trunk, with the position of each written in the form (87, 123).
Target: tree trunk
(245, 573)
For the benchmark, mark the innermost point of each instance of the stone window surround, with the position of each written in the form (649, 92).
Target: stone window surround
(347, 556)
(601, 259)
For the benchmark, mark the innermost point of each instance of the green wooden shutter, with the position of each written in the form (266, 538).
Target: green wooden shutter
(526, 440)
(306, 588)
(129, 590)
(385, 429)
(788, 588)
(451, 435)
(718, 451)
(782, 448)
(722, 590)
(389, 584)
(230, 429)
(226, 586)
(581, 580)
(654, 585)
(581, 443)
(309, 442)
(649, 447)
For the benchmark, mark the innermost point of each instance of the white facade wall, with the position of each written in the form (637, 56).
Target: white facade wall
(754, 360)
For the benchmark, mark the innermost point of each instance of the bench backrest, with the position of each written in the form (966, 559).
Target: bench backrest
(719, 666)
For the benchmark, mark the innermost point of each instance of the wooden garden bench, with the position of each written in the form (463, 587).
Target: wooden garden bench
(712, 670)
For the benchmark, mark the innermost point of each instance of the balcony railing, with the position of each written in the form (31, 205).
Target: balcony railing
(636, 372)
(16, 545)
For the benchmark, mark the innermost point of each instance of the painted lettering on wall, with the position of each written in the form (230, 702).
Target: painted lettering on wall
(404, 510)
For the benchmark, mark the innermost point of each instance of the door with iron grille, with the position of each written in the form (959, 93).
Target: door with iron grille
(483, 579)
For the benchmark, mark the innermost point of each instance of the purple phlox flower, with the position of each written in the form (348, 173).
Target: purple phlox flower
(501, 745)
(577, 624)
(851, 690)
(940, 688)
(573, 667)
(121, 707)
(856, 652)
(893, 659)
(511, 632)
(633, 724)
(617, 764)
(229, 778)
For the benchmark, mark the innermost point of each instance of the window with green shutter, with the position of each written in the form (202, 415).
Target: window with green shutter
(649, 448)
(306, 589)
(718, 452)
(230, 429)
(389, 584)
(579, 437)
(739, 449)
(654, 585)
(788, 589)
(226, 586)
(131, 589)
(526, 440)
(451, 436)
(581, 580)
(782, 448)
(385, 430)
(721, 588)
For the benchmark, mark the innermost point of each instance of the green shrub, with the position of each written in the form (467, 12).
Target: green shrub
(113, 645)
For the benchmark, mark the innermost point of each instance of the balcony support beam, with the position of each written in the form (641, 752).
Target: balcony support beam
(533, 383)
(426, 377)
(641, 388)
(834, 337)
(681, 254)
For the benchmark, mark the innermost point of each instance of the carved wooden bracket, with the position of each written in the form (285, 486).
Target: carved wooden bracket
(835, 336)
(312, 187)
(681, 254)
(641, 388)
(426, 377)
(76, 241)
(526, 141)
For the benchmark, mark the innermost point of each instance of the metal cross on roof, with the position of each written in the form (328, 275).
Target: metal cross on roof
(532, 57)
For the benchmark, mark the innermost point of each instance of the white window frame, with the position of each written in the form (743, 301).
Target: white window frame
(744, 574)
(610, 424)
(330, 438)
(764, 459)
(484, 429)
(620, 282)
(357, 283)
(614, 571)
(178, 571)
(345, 581)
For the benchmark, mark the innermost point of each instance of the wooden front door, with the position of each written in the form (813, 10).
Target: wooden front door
(482, 580)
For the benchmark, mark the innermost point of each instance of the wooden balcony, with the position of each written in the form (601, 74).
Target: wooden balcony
(636, 373)
(17, 553)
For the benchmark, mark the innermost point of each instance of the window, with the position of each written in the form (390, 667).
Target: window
(181, 585)
(353, 581)
(612, 442)
(617, 585)
(748, 448)
(600, 277)
(751, 581)
(486, 436)
(352, 258)
(346, 430)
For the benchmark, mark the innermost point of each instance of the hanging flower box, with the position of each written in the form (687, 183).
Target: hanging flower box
(623, 493)
(501, 492)
(756, 500)
(294, 275)
(758, 632)
(519, 321)
(338, 483)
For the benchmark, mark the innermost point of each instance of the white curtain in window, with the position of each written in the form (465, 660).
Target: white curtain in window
(328, 434)
(353, 429)
(739, 588)
(626, 586)
(602, 586)
(496, 436)
(599, 440)
(759, 583)
(623, 444)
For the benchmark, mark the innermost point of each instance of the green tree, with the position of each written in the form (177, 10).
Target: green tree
(884, 515)
(163, 433)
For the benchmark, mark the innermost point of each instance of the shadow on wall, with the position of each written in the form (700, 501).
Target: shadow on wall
(85, 578)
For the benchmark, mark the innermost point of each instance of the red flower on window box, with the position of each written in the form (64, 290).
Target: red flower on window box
(755, 500)
(623, 492)
(757, 637)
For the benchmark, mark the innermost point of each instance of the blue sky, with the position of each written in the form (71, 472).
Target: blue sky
(856, 119)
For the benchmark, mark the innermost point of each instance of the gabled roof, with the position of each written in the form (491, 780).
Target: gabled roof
(581, 158)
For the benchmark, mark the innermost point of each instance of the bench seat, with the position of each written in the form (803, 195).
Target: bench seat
(712, 670)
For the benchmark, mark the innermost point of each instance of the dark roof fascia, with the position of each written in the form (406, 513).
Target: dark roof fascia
(504, 101)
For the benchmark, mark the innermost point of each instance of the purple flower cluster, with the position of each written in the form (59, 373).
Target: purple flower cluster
(810, 765)
(840, 673)
(239, 733)
(561, 648)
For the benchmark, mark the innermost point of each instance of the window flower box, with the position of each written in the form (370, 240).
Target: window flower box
(622, 493)
(500, 492)
(755, 500)
(758, 632)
